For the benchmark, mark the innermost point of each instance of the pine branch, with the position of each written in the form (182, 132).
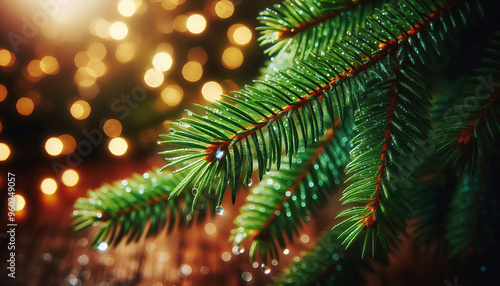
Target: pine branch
(277, 206)
(304, 90)
(295, 28)
(128, 207)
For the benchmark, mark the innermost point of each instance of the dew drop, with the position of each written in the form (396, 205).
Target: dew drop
(286, 251)
(171, 130)
(219, 154)
(194, 191)
(249, 183)
(266, 269)
(219, 210)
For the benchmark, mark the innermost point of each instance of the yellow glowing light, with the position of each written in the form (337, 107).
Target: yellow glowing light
(210, 228)
(70, 178)
(118, 146)
(224, 9)
(20, 202)
(96, 51)
(3, 92)
(192, 71)
(25, 106)
(98, 67)
(80, 109)
(153, 77)
(4, 151)
(85, 76)
(34, 68)
(6, 58)
(118, 30)
(162, 61)
(49, 65)
(68, 142)
(180, 23)
(242, 35)
(232, 58)
(48, 186)
(197, 54)
(211, 91)
(127, 8)
(125, 52)
(81, 59)
(172, 95)
(54, 146)
(169, 4)
(101, 28)
(196, 23)
(112, 128)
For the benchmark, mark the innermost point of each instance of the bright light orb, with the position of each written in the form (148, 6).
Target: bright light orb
(48, 186)
(162, 61)
(211, 91)
(25, 106)
(4, 151)
(80, 109)
(118, 146)
(153, 77)
(196, 23)
(20, 202)
(192, 71)
(224, 9)
(70, 178)
(232, 58)
(54, 146)
(127, 8)
(172, 95)
(118, 30)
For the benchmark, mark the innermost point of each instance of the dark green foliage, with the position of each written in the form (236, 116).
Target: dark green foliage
(280, 203)
(135, 206)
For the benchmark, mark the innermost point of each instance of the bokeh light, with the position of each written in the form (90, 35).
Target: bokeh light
(239, 34)
(3, 92)
(48, 186)
(125, 52)
(162, 61)
(4, 151)
(232, 58)
(69, 144)
(34, 69)
(20, 202)
(81, 59)
(25, 106)
(127, 8)
(70, 178)
(197, 54)
(118, 30)
(54, 146)
(7, 58)
(80, 109)
(112, 128)
(96, 51)
(49, 65)
(196, 23)
(192, 71)
(180, 23)
(98, 68)
(100, 28)
(118, 146)
(224, 9)
(85, 76)
(172, 95)
(153, 77)
(169, 5)
(211, 91)
(210, 228)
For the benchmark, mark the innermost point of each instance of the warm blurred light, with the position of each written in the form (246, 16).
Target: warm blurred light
(197, 54)
(3, 92)
(98, 67)
(69, 144)
(25, 106)
(211, 91)
(180, 23)
(232, 58)
(70, 178)
(125, 52)
(172, 95)
(34, 95)
(192, 71)
(224, 9)
(169, 4)
(162, 61)
(304, 238)
(34, 68)
(118, 30)
(81, 59)
(48, 186)
(96, 51)
(241, 35)
(127, 8)
(54, 146)
(118, 146)
(80, 109)
(100, 27)
(153, 77)
(49, 65)
(20, 202)
(210, 228)
(196, 23)
(85, 76)
(89, 92)
(4, 151)
(6, 58)
(112, 128)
